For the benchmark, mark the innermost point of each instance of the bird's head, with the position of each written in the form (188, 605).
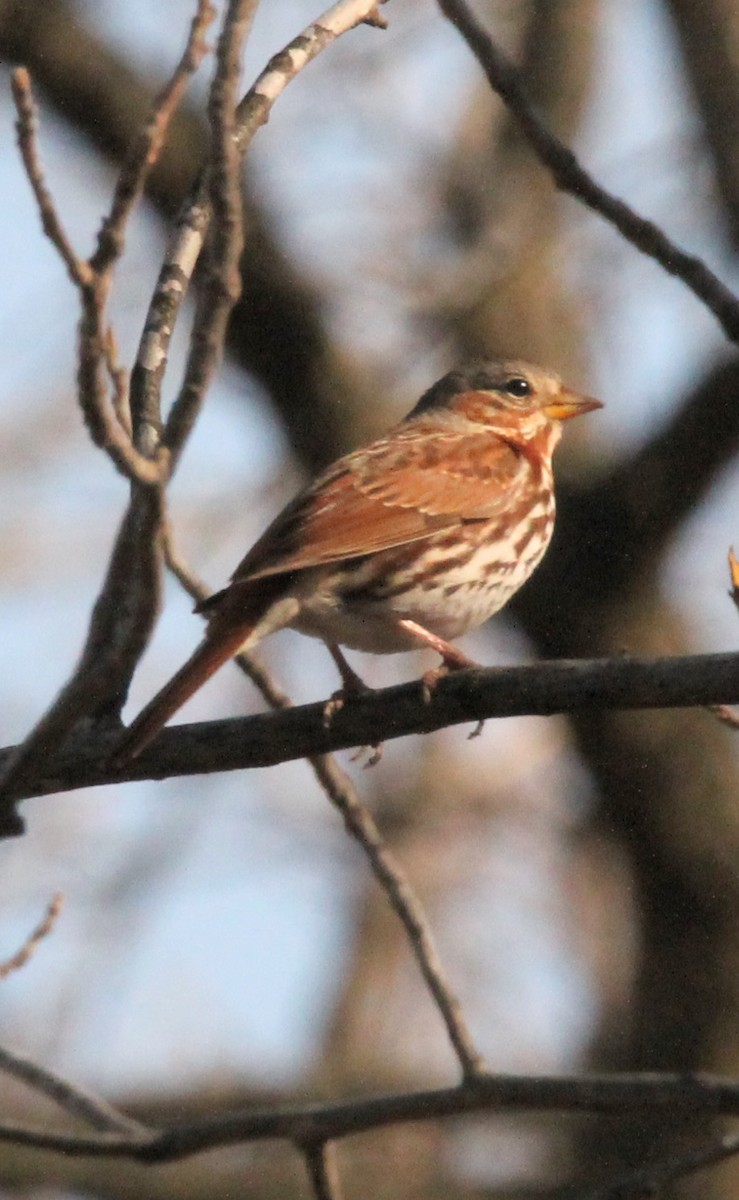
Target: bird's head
(507, 394)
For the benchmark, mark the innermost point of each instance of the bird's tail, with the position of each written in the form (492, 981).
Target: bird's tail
(211, 654)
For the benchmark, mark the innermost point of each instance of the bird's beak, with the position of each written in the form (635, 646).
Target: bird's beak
(569, 404)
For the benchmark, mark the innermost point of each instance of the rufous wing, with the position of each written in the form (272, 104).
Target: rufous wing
(396, 491)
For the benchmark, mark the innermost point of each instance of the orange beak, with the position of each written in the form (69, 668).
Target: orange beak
(569, 404)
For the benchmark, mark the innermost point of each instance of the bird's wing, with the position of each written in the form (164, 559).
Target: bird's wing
(398, 490)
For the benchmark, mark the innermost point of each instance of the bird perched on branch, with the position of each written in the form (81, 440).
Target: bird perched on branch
(410, 542)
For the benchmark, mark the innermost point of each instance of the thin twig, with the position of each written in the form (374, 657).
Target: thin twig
(362, 827)
(94, 337)
(571, 177)
(99, 412)
(143, 459)
(147, 147)
(93, 1110)
(120, 382)
(27, 130)
(194, 220)
(29, 947)
(222, 285)
(254, 109)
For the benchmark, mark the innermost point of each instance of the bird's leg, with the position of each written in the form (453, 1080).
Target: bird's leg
(352, 685)
(452, 660)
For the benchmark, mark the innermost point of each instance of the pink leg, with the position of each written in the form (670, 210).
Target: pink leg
(453, 660)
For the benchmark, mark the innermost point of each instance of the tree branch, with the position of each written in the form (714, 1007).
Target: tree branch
(117, 622)
(93, 1110)
(149, 143)
(537, 689)
(277, 331)
(222, 286)
(318, 1123)
(569, 176)
(28, 949)
(361, 825)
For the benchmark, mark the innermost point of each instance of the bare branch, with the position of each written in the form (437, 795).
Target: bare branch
(389, 874)
(142, 522)
(127, 605)
(194, 221)
(254, 109)
(148, 145)
(536, 689)
(569, 176)
(319, 1123)
(119, 629)
(27, 950)
(94, 339)
(222, 286)
(27, 128)
(362, 827)
(100, 415)
(93, 1110)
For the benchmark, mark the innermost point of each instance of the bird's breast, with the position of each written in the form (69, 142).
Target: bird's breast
(450, 582)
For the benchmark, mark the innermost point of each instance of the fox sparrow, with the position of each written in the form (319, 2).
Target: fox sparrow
(414, 540)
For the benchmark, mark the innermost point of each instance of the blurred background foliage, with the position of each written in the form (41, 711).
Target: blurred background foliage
(221, 941)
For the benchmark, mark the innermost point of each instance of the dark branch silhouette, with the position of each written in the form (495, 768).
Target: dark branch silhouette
(537, 689)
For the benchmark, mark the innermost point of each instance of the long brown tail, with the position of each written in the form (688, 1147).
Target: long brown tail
(209, 656)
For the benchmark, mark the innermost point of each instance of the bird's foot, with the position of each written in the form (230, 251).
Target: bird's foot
(453, 660)
(375, 754)
(352, 687)
(336, 702)
(429, 680)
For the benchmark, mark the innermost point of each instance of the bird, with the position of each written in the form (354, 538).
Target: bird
(409, 542)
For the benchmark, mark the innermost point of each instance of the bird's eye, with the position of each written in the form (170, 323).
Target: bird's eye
(517, 386)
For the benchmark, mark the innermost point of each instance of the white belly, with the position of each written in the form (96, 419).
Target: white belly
(362, 614)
